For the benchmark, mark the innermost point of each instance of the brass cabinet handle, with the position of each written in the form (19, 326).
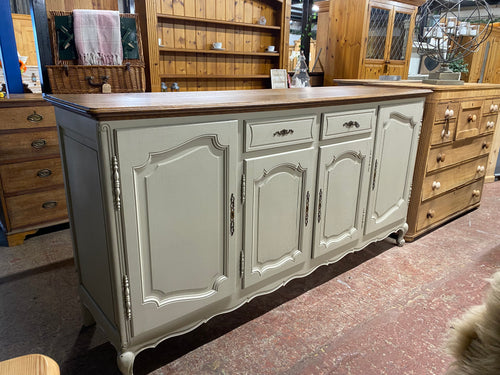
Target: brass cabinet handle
(283, 132)
(307, 209)
(34, 117)
(350, 124)
(430, 214)
(441, 157)
(39, 143)
(42, 173)
(48, 205)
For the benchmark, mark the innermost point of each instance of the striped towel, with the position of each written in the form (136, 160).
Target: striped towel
(97, 37)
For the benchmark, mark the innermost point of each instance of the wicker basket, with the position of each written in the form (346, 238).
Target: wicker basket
(67, 77)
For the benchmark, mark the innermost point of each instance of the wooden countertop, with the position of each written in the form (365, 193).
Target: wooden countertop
(417, 84)
(144, 105)
(22, 100)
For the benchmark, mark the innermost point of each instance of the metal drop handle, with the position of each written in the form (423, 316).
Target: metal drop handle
(42, 173)
(39, 144)
(49, 205)
(283, 132)
(34, 117)
(350, 124)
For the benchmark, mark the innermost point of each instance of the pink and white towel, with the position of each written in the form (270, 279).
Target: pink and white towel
(97, 37)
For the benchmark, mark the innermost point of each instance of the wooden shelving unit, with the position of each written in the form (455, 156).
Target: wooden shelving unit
(179, 35)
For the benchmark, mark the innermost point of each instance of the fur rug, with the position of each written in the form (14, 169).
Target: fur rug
(474, 340)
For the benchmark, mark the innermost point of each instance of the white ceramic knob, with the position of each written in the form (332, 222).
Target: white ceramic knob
(492, 108)
(436, 185)
(496, 107)
(447, 113)
(474, 118)
(445, 134)
(480, 168)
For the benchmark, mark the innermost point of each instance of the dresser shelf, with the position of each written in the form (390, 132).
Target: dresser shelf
(220, 76)
(170, 17)
(219, 52)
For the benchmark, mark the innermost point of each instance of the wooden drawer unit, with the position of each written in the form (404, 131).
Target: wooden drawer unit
(456, 201)
(31, 175)
(28, 117)
(267, 134)
(347, 123)
(452, 160)
(443, 181)
(36, 208)
(469, 119)
(31, 180)
(458, 151)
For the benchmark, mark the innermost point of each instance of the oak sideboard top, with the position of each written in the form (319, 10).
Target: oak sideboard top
(145, 105)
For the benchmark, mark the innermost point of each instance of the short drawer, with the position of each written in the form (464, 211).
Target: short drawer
(443, 132)
(18, 146)
(27, 117)
(444, 206)
(30, 209)
(488, 123)
(457, 152)
(469, 119)
(449, 179)
(446, 110)
(31, 175)
(491, 106)
(270, 133)
(340, 124)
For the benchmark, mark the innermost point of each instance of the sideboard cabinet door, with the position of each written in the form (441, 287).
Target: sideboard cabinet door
(278, 213)
(178, 188)
(343, 178)
(396, 142)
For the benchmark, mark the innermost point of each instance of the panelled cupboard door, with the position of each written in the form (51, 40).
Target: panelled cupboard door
(343, 178)
(278, 213)
(392, 167)
(178, 186)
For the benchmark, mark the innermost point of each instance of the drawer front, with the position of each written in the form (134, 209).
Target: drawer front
(491, 106)
(443, 132)
(28, 144)
(31, 175)
(342, 124)
(440, 208)
(458, 152)
(441, 182)
(260, 135)
(31, 209)
(27, 117)
(469, 119)
(489, 123)
(446, 110)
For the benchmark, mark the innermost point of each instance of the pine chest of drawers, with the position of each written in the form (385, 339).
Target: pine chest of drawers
(31, 180)
(456, 140)
(455, 143)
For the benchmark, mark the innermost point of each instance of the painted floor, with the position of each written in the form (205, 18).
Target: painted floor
(383, 310)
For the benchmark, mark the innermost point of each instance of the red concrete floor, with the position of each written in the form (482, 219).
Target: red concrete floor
(383, 310)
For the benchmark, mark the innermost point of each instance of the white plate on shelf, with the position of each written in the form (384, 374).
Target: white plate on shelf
(271, 51)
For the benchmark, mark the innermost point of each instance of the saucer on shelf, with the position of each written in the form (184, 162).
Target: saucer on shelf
(218, 49)
(271, 51)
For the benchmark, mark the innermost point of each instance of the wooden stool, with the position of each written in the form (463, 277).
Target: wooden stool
(32, 364)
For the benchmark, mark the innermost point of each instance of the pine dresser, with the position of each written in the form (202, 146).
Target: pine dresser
(452, 159)
(31, 179)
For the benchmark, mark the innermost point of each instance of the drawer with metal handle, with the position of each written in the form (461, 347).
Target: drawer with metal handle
(448, 179)
(341, 124)
(269, 133)
(34, 208)
(16, 146)
(449, 205)
(455, 153)
(31, 175)
(27, 117)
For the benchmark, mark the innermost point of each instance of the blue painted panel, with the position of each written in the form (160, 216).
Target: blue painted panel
(8, 51)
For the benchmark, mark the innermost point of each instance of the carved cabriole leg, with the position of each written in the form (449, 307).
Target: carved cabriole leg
(401, 234)
(125, 362)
